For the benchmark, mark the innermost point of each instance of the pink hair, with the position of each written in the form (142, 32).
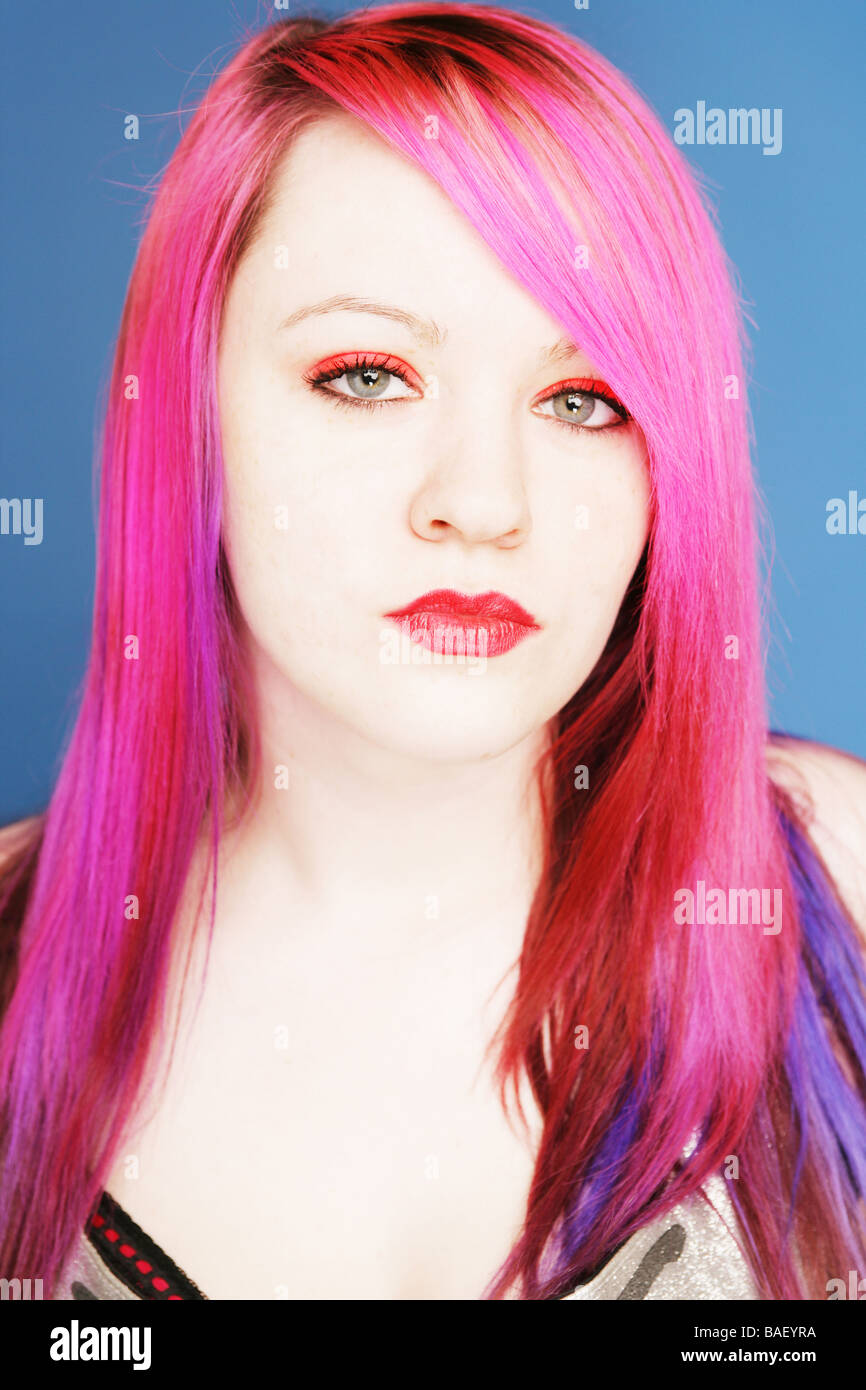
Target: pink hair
(725, 1034)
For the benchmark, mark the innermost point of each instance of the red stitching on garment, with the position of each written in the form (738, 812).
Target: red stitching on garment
(157, 1282)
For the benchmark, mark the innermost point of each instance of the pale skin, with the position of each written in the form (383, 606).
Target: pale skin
(329, 1127)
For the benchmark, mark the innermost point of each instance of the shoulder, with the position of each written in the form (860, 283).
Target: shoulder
(15, 841)
(828, 788)
(14, 837)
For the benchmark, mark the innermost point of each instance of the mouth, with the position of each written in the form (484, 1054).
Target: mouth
(449, 622)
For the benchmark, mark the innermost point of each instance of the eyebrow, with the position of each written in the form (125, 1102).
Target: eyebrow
(562, 349)
(426, 330)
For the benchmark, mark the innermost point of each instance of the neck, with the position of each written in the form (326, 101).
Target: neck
(382, 841)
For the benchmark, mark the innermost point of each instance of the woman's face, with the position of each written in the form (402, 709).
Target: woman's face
(352, 491)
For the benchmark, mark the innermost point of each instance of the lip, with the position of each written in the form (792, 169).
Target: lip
(446, 621)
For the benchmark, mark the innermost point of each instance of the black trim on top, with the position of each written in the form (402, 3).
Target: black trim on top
(124, 1266)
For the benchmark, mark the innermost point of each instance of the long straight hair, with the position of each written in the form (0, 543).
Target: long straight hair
(697, 1044)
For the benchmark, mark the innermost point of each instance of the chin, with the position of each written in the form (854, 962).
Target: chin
(451, 725)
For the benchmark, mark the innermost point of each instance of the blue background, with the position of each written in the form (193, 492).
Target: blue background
(792, 223)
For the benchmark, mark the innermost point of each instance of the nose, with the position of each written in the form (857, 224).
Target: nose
(475, 488)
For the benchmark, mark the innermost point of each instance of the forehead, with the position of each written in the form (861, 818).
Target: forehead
(338, 171)
(352, 215)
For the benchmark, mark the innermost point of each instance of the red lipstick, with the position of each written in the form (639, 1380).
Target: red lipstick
(444, 620)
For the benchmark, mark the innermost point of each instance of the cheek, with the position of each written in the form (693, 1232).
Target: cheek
(298, 522)
(603, 520)
(285, 559)
(597, 537)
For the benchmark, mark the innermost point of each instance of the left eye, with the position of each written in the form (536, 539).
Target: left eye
(581, 408)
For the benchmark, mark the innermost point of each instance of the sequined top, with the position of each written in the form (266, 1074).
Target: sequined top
(691, 1252)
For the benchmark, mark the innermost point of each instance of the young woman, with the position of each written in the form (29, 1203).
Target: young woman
(422, 782)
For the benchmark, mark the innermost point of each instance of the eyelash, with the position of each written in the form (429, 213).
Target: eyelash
(355, 362)
(586, 386)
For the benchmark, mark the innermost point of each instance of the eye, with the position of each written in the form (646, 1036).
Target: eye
(364, 379)
(588, 404)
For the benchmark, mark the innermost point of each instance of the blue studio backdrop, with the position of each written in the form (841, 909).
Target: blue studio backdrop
(792, 210)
